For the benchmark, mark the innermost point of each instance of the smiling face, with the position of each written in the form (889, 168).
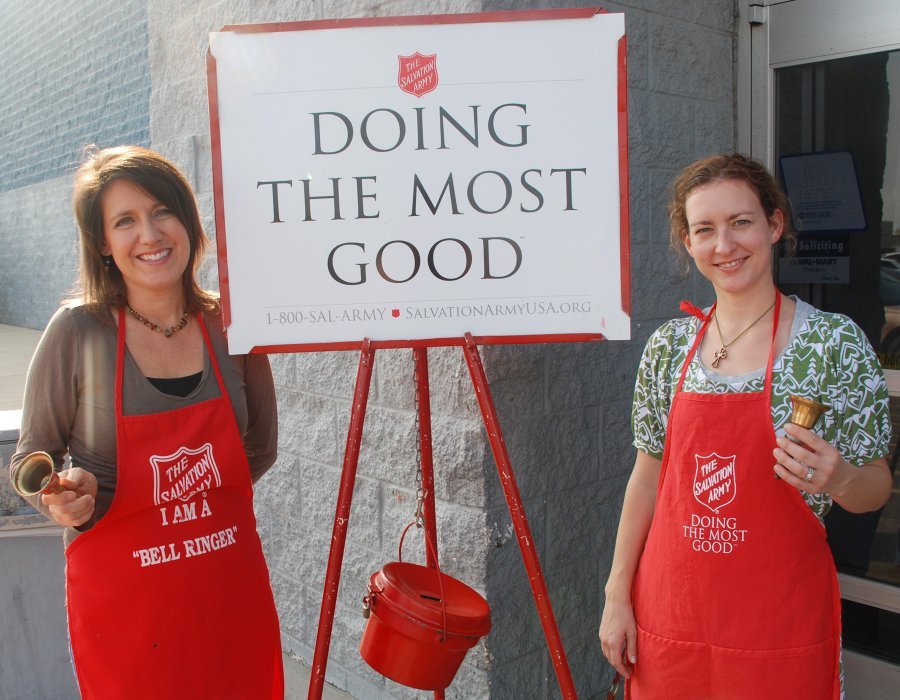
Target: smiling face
(730, 238)
(146, 239)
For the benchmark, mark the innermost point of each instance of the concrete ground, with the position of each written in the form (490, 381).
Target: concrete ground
(16, 348)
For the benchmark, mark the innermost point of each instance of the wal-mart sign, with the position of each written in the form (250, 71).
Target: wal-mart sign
(413, 179)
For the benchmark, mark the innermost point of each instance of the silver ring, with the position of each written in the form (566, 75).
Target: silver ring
(809, 474)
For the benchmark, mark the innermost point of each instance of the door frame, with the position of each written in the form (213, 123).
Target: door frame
(774, 34)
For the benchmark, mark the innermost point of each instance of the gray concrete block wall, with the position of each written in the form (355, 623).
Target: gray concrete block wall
(39, 262)
(564, 408)
(71, 74)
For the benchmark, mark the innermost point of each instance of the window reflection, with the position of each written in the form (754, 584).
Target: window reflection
(852, 105)
(868, 544)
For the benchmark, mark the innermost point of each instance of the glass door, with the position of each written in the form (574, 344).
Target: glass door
(821, 85)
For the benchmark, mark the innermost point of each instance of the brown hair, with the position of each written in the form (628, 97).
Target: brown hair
(727, 167)
(103, 288)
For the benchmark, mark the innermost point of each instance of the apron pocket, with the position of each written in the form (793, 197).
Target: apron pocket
(669, 669)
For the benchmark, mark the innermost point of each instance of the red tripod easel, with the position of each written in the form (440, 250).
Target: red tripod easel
(507, 480)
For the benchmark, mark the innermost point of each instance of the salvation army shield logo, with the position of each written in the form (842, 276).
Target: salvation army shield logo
(183, 474)
(417, 74)
(715, 485)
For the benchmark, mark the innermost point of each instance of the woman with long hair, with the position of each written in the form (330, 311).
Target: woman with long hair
(162, 434)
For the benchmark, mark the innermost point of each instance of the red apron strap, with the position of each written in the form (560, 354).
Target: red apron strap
(706, 318)
(690, 308)
(214, 363)
(120, 365)
(771, 361)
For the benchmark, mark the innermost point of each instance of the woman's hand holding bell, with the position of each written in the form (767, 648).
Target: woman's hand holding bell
(74, 505)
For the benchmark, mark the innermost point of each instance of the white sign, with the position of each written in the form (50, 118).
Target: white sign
(817, 260)
(824, 192)
(814, 270)
(410, 180)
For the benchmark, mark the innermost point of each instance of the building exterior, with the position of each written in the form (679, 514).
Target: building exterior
(134, 71)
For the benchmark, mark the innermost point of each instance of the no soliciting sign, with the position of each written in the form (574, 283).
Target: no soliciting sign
(412, 179)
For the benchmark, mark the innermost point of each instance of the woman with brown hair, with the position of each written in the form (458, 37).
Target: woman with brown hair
(722, 584)
(168, 594)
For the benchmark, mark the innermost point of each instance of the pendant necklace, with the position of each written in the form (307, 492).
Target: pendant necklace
(722, 352)
(168, 332)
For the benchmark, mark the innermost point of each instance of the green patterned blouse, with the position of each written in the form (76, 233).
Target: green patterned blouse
(827, 359)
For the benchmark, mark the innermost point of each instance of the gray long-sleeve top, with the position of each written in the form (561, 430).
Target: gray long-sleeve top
(69, 404)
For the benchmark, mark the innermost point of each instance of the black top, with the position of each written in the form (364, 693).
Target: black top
(177, 386)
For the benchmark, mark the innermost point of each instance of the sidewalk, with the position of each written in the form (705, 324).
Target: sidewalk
(16, 348)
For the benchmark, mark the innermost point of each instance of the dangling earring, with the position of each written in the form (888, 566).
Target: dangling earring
(107, 261)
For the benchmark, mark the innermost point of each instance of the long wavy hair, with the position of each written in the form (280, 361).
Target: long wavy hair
(726, 167)
(101, 288)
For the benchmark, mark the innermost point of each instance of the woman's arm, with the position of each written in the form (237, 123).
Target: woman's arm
(847, 464)
(48, 413)
(261, 436)
(857, 489)
(618, 631)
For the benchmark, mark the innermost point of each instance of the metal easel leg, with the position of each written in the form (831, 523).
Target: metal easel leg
(341, 521)
(423, 408)
(520, 522)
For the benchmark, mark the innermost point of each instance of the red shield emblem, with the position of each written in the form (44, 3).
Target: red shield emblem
(715, 485)
(185, 473)
(417, 74)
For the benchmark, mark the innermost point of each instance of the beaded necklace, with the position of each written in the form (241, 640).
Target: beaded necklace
(168, 332)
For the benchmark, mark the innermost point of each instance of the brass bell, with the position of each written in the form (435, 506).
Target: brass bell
(36, 474)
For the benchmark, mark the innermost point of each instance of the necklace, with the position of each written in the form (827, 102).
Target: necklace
(722, 352)
(168, 332)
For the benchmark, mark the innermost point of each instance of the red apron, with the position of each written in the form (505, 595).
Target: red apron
(735, 596)
(168, 595)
